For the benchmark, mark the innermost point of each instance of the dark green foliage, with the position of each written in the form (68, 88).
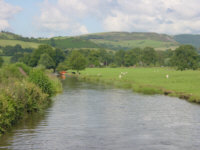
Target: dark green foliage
(16, 57)
(39, 78)
(149, 56)
(26, 58)
(35, 57)
(77, 61)
(1, 61)
(58, 56)
(12, 50)
(185, 57)
(94, 59)
(66, 42)
(119, 57)
(130, 58)
(46, 61)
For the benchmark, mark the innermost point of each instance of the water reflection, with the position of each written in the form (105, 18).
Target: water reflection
(88, 116)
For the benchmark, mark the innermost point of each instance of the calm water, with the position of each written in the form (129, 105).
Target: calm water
(92, 117)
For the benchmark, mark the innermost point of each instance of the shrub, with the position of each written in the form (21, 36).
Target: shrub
(17, 98)
(39, 78)
(10, 71)
(26, 68)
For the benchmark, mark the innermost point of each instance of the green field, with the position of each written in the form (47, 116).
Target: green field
(4, 43)
(6, 59)
(129, 44)
(184, 84)
(126, 40)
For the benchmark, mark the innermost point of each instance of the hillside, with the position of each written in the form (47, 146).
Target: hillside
(126, 40)
(108, 40)
(69, 42)
(188, 39)
(11, 39)
(7, 38)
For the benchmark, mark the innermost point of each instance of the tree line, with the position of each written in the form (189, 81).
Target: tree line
(184, 57)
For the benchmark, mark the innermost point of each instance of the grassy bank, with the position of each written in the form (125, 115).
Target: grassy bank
(24, 90)
(183, 84)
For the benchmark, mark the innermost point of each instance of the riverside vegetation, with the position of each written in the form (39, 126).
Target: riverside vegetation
(27, 87)
(24, 90)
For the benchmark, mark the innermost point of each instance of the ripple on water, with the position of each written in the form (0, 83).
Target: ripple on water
(88, 116)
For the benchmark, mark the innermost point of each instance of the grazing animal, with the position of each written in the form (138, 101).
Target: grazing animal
(167, 76)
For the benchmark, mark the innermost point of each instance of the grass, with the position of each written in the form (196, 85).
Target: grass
(160, 45)
(125, 40)
(183, 84)
(70, 43)
(6, 59)
(4, 43)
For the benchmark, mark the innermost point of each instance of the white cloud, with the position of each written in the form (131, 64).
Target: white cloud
(62, 17)
(164, 16)
(7, 12)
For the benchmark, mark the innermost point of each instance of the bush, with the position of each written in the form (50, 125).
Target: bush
(26, 68)
(57, 85)
(39, 78)
(10, 71)
(19, 97)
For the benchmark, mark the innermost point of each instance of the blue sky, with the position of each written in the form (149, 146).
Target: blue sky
(46, 18)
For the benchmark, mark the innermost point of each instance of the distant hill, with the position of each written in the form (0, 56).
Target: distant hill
(108, 40)
(11, 39)
(69, 42)
(8, 38)
(188, 39)
(126, 40)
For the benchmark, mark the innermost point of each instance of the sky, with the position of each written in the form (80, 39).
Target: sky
(48, 18)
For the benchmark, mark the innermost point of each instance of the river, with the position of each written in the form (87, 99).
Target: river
(94, 117)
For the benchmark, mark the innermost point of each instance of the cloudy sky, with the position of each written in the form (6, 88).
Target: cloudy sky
(46, 18)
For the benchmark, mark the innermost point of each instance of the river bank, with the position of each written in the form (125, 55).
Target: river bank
(166, 81)
(24, 90)
(95, 117)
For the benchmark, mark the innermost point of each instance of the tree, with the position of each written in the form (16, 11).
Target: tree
(26, 58)
(46, 61)
(94, 58)
(77, 61)
(185, 57)
(58, 56)
(119, 57)
(35, 57)
(62, 66)
(1, 61)
(130, 58)
(16, 57)
(149, 56)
